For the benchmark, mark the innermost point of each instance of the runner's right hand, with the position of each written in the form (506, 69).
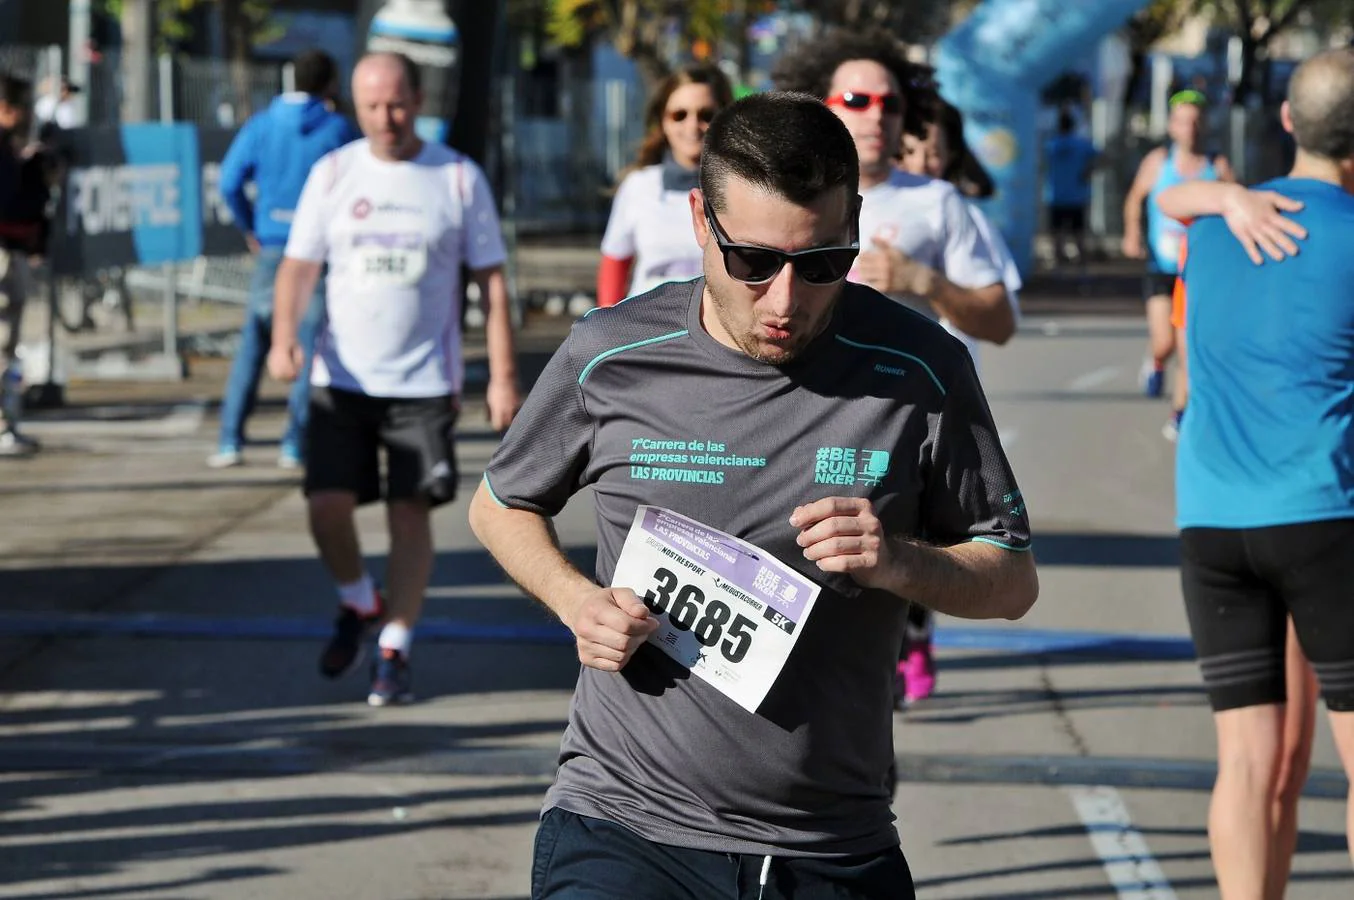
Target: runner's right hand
(609, 624)
(284, 362)
(1133, 247)
(1257, 220)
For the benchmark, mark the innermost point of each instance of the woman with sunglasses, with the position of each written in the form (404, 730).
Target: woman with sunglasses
(648, 238)
(943, 154)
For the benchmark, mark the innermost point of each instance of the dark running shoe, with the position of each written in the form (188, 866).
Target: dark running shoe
(392, 681)
(344, 650)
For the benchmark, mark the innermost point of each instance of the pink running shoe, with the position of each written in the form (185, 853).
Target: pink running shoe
(918, 672)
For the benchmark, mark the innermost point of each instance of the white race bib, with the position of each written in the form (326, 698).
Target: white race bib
(1167, 248)
(727, 610)
(389, 260)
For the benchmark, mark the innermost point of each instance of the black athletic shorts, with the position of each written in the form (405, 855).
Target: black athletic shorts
(1156, 283)
(1240, 587)
(347, 431)
(581, 858)
(1067, 218)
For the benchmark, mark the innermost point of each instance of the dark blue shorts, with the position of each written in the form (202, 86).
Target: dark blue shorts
(581, 858)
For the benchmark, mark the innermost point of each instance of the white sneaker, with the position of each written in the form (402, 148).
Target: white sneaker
(14, 444)
(288, 460)
(225, 459)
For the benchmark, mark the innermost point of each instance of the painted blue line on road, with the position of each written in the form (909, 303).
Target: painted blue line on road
(165, 625)
(1089, 643)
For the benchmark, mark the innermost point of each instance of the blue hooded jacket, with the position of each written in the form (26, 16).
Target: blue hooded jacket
(275, 149)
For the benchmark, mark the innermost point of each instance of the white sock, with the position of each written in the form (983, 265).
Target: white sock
(360, 596)
(396, 636)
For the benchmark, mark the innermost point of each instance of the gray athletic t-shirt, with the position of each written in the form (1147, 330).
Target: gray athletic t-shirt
(884, 404)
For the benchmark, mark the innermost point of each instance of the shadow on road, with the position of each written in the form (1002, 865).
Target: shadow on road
(200, 727)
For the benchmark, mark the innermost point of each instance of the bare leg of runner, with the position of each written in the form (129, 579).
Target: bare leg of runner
(410, 563)
(335, 534)
(1180, 392)
(1160, 332)
(1294, 764)
(1239, 830)
(1342, 725)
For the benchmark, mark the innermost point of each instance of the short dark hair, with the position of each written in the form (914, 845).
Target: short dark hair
(809, 68)
(786, 143)
(315, 71)
(1321, 104)
(16, 91)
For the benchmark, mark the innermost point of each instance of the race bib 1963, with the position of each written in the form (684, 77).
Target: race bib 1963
(727, 610)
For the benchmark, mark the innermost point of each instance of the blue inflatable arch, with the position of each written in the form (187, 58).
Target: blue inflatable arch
(993, 67)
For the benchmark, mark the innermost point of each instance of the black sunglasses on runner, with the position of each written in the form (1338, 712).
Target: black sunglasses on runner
(753, 264)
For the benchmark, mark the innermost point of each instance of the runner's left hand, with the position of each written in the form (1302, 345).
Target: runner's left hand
(504, 400)
(843, 535)
(891, 271)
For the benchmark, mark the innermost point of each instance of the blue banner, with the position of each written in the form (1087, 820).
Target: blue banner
(992, 67)
(142, 194)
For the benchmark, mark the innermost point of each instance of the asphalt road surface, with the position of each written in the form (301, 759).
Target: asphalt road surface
(164, 734)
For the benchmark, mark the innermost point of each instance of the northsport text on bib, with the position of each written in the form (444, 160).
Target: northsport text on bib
(727, 610)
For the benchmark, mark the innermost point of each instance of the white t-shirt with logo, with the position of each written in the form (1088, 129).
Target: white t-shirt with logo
(394, 235)
(1001, 255)
(929, 220)
(652, 226)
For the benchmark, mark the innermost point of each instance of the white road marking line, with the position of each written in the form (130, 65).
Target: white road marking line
(1129, 864)
(1094, 378)
(1007, 436)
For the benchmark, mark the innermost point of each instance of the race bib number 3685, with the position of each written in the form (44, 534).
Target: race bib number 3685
(727, 610)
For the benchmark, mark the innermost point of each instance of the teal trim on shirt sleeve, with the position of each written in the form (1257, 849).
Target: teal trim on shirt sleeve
(602, 357)
(850, 343)
(996, 543)
(488, 484)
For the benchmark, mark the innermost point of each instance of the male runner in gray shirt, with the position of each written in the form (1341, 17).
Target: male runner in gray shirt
(843, 434)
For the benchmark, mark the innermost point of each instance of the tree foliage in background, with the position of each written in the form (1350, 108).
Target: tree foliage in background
(1256, 22)
(245, 22)
(915, 20)
(646, 30)
(641, 30)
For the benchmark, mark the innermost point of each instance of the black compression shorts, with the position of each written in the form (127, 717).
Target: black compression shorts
(1240, 587)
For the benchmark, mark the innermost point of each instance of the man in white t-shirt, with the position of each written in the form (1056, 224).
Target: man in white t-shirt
(394, 219)
(919, 244)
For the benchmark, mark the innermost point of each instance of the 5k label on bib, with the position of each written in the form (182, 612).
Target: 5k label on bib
(727, 610)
